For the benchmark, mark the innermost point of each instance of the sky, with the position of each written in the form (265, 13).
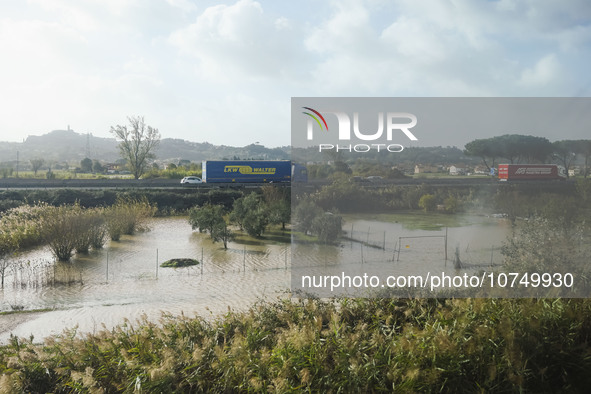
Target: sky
(224, 72)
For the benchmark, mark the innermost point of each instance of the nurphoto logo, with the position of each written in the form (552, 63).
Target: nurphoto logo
(394, 121)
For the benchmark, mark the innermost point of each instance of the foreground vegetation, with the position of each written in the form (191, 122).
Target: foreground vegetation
(360, 345)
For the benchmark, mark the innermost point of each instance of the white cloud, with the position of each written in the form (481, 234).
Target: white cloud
(239, 41)
(446, 48)
(184, 5)
(546, 71)
(209, 70)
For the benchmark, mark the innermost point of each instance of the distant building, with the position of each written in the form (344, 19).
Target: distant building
(425, 169)
(576, 170)
(112, 168)
(481, 170)
(457, 170)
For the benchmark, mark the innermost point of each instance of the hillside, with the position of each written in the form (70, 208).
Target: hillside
(68, 146)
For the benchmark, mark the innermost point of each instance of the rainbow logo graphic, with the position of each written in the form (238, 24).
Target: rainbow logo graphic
(315, 118)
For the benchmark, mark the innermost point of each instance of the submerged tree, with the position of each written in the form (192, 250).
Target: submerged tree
(250, 214)
(328, 227)
(305, 213)
(137, 144)
(278, 201)
(210, 218)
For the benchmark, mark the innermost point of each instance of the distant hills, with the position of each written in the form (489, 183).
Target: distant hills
(61, 146)
(66, 148)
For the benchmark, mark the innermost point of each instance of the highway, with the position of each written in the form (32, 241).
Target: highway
(28, 183)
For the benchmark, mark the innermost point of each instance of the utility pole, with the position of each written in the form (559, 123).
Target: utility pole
(87, 145)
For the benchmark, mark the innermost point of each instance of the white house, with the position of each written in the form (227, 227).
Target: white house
(457, 170)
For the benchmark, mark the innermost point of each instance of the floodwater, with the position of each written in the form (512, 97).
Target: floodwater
(124, 280)
(406, 244)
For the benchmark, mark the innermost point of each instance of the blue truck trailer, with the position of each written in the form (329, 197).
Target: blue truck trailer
(247, 171)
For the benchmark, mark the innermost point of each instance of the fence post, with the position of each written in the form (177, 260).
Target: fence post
(445, 243)
(361, 253)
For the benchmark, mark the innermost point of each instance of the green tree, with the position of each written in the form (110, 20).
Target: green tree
(513, 147)
(305, 213)
(86, 165)
(486, 149)
(451, 204)
(204, 218)
(137, 144)
(251, 214)
(277, 199)
(97, 167)
(427, 202)
(327, 227)
(210, 218)
(221, 232)
(524, 148)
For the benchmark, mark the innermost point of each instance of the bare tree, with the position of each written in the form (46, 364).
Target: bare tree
(36, 164)
(137, 143)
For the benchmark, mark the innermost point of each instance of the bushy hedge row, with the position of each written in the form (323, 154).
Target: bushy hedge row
(167, 201)
(348, 196)
(361, 345)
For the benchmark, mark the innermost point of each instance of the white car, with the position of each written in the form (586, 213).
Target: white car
(191, 179)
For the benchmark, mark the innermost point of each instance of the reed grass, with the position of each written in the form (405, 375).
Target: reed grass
(345, 345)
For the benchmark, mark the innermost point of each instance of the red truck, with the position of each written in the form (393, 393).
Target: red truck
(508, 172)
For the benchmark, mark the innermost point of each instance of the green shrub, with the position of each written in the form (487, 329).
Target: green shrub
(427, 202)
(176, 263)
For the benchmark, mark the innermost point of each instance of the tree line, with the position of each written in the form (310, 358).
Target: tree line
(517, 148)
(252, 213)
